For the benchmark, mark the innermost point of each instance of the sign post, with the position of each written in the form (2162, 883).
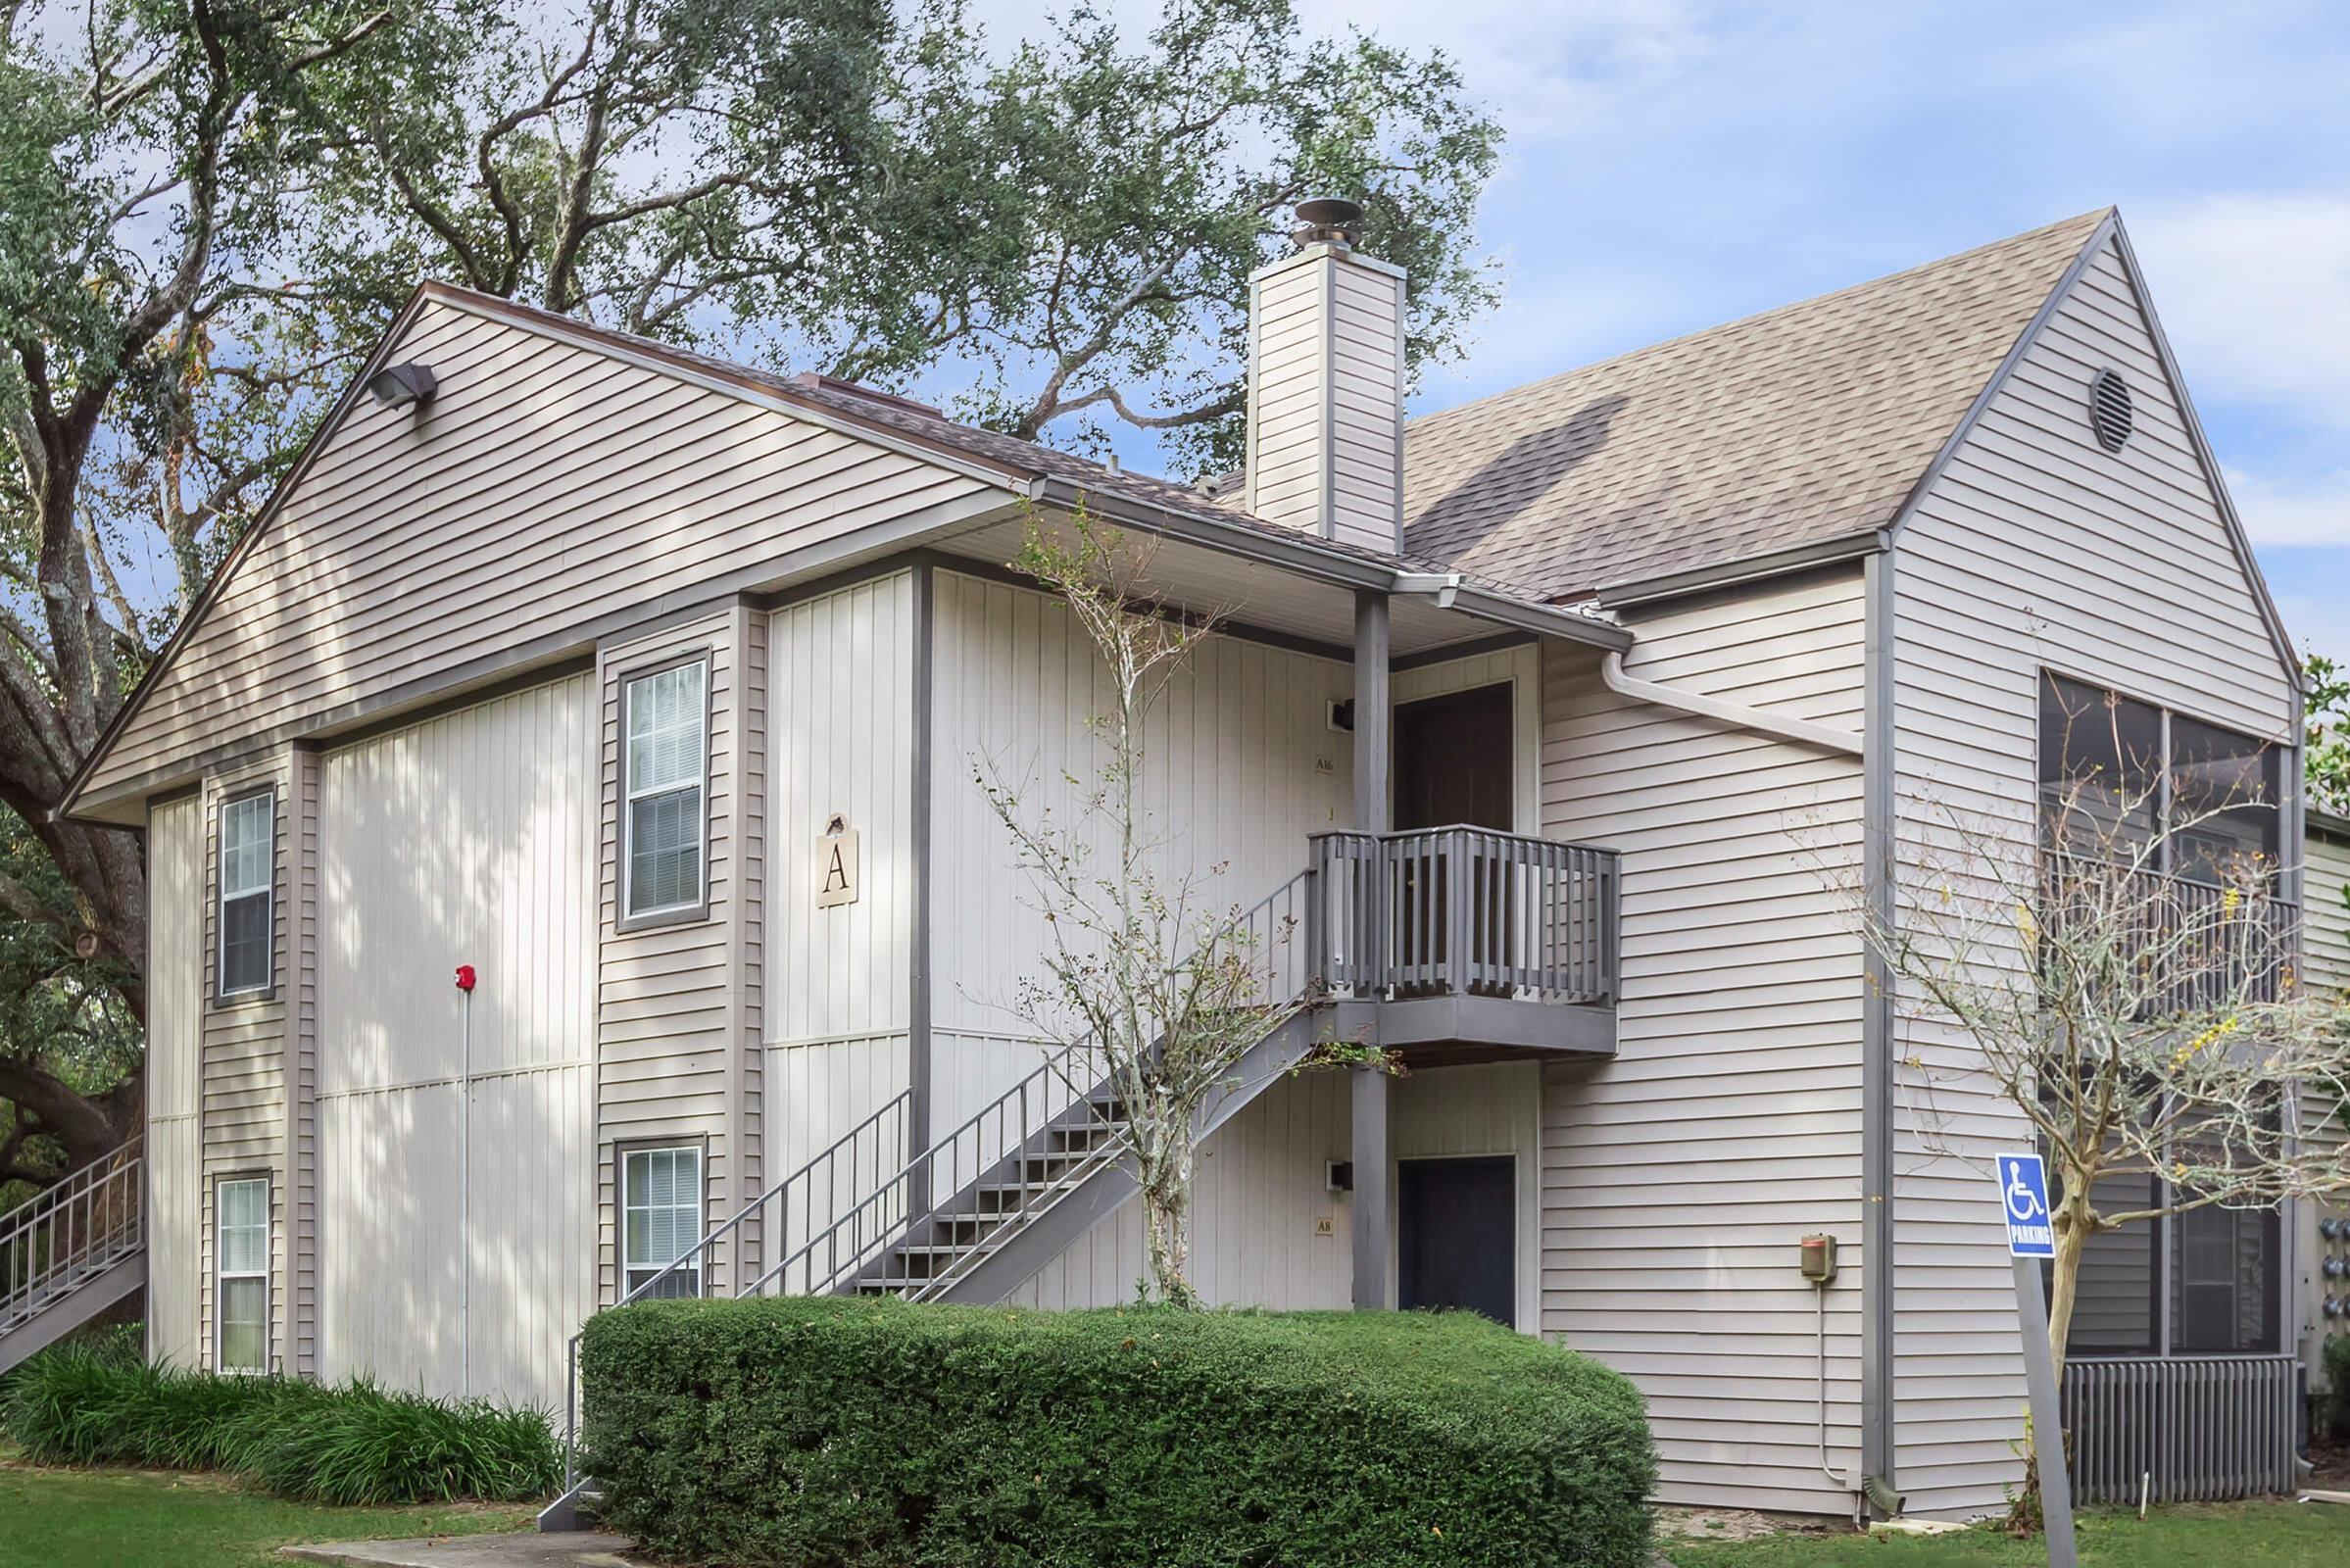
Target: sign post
(2031, 1237)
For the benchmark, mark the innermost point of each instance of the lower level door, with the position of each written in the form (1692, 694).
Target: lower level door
(1456, 1235)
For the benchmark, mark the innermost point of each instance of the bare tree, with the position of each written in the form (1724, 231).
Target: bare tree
(1165, 983)
(2126, 982)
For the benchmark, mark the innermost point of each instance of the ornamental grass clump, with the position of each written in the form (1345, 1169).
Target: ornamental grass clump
(84, 1405)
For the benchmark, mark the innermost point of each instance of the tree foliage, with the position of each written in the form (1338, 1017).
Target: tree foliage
(1071, 224)
(159, 371)
(2327, 763)
(207, 212)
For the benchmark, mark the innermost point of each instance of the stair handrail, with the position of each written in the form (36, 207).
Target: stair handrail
(698, 1254)
(91, 1219)
(921, 1167)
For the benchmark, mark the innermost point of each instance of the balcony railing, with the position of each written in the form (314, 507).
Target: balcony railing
(1463, 911)
(2183, 946)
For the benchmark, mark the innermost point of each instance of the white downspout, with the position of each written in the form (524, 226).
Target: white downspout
(1737, 715)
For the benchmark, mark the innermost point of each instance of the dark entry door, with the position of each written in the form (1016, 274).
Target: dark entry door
(1453, 770)
(1452, 760)
(1456, 1225)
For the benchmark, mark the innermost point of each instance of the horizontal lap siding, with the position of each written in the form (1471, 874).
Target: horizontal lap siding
(2035, 548)
(1678, 1176)
(466, 839)
(243, 1097)
(174, 1027)
(2325, 939)
(1326, 401)
(544, 487)
(668, 1003)
(2325, 953)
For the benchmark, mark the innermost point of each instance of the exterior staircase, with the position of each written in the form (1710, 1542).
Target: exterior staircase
(71, 1252)
(973, 1215)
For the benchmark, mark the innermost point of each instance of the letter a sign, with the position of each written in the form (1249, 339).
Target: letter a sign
(835, 863)
(2024, 1198)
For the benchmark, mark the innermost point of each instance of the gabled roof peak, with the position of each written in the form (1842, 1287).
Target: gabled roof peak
(1766, 435)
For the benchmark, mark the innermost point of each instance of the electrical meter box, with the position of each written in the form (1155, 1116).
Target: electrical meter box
(1818, 1258)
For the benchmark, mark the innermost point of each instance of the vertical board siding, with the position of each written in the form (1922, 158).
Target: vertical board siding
(840, 678)
(2034, 548)
(841, 739)
(1521, 670)
(666, 1003)
(1258, 1200)
(1678, 1176)
(1484, 1108)
(243, 1103)
(543, 487)
(174, 1030)
(469, 837)
(1240, 764)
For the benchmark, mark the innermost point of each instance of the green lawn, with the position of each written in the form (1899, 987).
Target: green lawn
(2252, 1535)
(142, 1519)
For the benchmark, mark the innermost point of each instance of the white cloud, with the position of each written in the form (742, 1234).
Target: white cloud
(2255, 293)
(2301, 510)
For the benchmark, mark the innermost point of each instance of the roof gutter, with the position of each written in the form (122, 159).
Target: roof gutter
(1801, 732)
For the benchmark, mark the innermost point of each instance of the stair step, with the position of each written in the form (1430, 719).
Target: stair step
(965, 1230)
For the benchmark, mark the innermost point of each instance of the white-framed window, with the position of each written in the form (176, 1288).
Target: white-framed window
(241, 1273)
(248, 890)
(664, 716)
(660, 1217)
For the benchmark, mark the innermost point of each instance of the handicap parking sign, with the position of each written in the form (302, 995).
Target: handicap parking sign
(2024, 1198)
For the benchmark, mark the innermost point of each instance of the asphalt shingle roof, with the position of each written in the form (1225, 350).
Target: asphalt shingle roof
(1806, 424)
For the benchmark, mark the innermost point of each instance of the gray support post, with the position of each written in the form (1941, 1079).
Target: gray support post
(1878, 1043)
(1373, 720)
(919, 980)
(1372, 724)
(1372, 1292)
(2047, 1418)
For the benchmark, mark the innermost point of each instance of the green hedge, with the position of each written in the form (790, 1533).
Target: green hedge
(88, 1405)
(884, 1435)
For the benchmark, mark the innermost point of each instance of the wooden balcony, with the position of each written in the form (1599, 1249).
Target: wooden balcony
(1478, 945)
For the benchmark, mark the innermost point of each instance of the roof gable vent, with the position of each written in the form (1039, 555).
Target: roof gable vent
(2109, 409)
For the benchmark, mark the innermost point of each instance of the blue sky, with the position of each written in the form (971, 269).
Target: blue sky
(1674, 165)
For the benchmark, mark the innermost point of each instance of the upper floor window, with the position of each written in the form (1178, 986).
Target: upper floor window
(247, 891)
(665, 717)
(2120, 773)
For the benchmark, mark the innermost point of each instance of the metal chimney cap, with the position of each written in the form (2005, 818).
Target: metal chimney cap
(1328, 219)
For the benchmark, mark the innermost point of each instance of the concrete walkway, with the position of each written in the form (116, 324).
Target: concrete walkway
(581, 1550)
